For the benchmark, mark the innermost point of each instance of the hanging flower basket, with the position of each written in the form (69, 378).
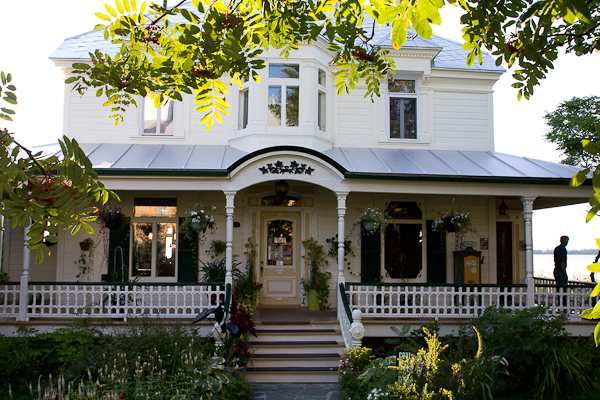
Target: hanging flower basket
(449, 224)
(199, 226)
(368, 226)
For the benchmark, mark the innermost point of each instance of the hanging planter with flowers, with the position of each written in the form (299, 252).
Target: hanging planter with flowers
(371, 220)
(200, 219)
(110, 217)
(454, 222)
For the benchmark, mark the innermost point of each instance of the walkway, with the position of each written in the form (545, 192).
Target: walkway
(295, 391)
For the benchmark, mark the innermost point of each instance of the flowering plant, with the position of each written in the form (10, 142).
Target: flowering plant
(318, 279)
(371, 220)
(200, 219)
(110, 217)
(454, 221)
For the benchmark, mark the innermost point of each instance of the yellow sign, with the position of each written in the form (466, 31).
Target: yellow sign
(471, 270)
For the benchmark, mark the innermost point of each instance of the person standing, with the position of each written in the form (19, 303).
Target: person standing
(560, 266)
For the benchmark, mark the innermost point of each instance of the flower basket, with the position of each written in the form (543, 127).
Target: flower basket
(368, 226)
(449, 225)
(200, 219)
(84, 246)
(199, 226)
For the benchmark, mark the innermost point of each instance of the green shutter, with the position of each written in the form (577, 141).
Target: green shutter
(436, 255)
(370, 256)
(187, 257)
(118, 244)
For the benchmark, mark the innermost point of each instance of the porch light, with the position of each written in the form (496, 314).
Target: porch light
(282, 188)
(503, 209)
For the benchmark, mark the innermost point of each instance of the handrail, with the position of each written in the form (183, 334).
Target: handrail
(126, 283)
(387, 284)
(227, 299)
(9, 283)
(345, 303)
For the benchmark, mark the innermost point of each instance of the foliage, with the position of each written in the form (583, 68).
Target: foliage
(110, 216)
(378, 219)
(424, 374)
(236, 351)
(45, 193)
(318, 279)
(540, 357)
(143, 378)
(74, 350)
(218, 247)
(530, 34)
(334, 246)
(202, 218)
(454, 221)
(573, 121)
(85, 256)
(245, 289)
(216, 269)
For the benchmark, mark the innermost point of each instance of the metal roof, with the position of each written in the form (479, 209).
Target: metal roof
(419, 164)
(451, 55)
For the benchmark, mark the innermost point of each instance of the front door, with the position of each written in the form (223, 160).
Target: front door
(504, 253)
(280, 259)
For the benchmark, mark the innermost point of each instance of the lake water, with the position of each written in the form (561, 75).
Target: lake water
(543, 266)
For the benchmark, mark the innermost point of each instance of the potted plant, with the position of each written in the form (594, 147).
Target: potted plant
(218, 247)
(371, 220)
(85, 257)
(200, 219)
(316, 285)
(454, 222)
(110, 217)
(86, 244)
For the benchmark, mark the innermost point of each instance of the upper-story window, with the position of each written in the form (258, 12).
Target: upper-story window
(157, 121)
(243, 105)
(284, 95)
(403, 108)
(322, 101)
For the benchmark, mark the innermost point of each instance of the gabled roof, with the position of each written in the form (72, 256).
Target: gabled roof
(451, 55)
(367, 163)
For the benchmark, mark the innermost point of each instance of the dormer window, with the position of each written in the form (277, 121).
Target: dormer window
(403, 108)
(157, 121)
(284, 95)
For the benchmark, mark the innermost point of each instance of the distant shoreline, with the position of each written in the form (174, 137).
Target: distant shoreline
(590, 252)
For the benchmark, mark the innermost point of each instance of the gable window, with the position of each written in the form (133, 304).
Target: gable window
(157, 121)
(403, 108)
(283, 95)
(154, 238)
(322, 101)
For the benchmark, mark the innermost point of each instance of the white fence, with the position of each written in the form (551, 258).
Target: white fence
(571, 300)
(9, 299)
(112, 300)
(442, 301)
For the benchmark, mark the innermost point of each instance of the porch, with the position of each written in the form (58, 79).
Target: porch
(360, 305)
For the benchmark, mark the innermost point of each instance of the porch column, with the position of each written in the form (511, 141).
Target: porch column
(24, 288)
(341, 209)
(527, 214)
(229, 196)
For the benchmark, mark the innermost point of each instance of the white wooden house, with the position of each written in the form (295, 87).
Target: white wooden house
(427, 143)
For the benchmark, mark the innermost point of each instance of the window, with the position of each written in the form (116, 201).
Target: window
(403, 250)
(284, 95)
(154, 241)
(403, 108)
(322, 101)
(243, 109)
(157, 121)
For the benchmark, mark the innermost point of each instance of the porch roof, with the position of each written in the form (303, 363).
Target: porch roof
(353, 163)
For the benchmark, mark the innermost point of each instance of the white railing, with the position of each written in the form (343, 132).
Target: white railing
(441, 301)
(9, 299)
(569, 300)
(122, 300)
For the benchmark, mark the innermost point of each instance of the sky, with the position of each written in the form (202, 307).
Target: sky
(30, 34)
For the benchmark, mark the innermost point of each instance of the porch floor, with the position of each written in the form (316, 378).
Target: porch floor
(293, 315)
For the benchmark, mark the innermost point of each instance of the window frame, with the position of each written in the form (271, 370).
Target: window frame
(156, 133)
(322, 90)
(423, 274)
(284, 83)
(396, 95)
(154, 256)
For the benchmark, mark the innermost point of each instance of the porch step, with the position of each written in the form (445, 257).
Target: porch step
(308, 353)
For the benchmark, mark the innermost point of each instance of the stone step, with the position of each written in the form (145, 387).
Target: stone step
(292, 374)
(297, 350)
(297, 363)
(297, 343)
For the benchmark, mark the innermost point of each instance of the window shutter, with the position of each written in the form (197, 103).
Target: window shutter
(436, 255)
(118, 243)
(370, 256)
(187, 257)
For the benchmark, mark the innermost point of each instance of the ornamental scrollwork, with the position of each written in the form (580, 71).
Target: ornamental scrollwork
(294, 168)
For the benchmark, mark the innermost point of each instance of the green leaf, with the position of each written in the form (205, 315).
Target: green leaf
(598, 243)
(596, 291)
(126, 5)
(87, 228)
(119, 6)
(143, 7)
(398, 33)
(579, 178)
(81, 66)
(3, 78)
(103, 16)
(597, 334)
(595, 267)
(71, 79)
(590, 147)
(39, 258)
(111, 10)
